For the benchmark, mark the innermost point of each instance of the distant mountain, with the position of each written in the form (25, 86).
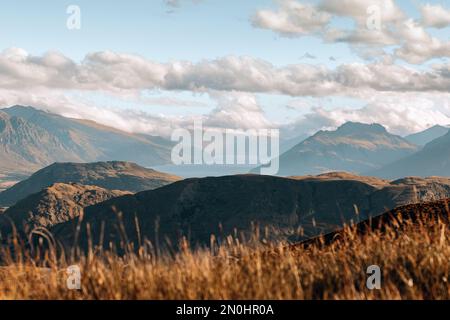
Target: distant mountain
(432, 160)
(287, 144)
(428, 135)
(53, 205)
(31, 139)
(114, 175)
(293, 209)
(353, 147)
(24, 145)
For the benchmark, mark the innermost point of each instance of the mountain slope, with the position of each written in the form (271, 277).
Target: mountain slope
(55, 204)
(373, 181)
(398, 218)
(113, 175)
(353, 147)
(432, 160)
(288, 144)
(292, 209)
(428, 135)
(24, 145)
(31, 139)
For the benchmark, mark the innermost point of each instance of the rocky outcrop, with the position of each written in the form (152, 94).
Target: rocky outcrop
(56, 204)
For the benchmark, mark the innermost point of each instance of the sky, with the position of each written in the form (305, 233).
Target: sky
(300, 66)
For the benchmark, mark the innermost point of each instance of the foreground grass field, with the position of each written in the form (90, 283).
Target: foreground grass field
(414, 259)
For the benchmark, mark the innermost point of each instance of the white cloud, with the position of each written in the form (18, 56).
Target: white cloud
(358, 9)
(237, 110)
(58, 102)
(418, 45)
(232, 82)
(292, 18)
(378, 24)
(398, 113)
(124, 74)
(435, 16)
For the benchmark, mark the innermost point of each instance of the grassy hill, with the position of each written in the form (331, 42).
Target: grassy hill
(413, 255)
(113, 175)
(296, 209)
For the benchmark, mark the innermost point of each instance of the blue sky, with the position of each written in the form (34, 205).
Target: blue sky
(194, 31)
(206, 30)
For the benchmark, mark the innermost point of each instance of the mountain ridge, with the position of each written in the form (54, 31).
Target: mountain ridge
(295, 209)
(31, 139)
(112, 175)
(55, 204)
(353, 147)
(432, 160)
(423, 137)
(396, 218)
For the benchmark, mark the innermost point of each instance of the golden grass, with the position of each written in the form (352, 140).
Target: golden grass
(415, 264)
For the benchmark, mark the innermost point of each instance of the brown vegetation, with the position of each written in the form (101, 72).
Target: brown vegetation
(413, 254)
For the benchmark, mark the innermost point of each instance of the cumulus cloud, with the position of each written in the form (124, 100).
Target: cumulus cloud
(59, 102)
(237, 110)
(398, 113)
(292, 18)
(378, 24)
(232, 82)
(435, 16)
(124, 74)
(418, 45)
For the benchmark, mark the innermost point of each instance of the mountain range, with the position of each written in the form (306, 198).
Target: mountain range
(31, 139)
(432, 160)
(353, 147)
(428, 135)
(287, 208)
(299, 206)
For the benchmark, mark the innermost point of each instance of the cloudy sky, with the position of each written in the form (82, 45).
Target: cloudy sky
(297, 65)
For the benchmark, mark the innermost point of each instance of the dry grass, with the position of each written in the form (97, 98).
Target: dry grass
(415, 264)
